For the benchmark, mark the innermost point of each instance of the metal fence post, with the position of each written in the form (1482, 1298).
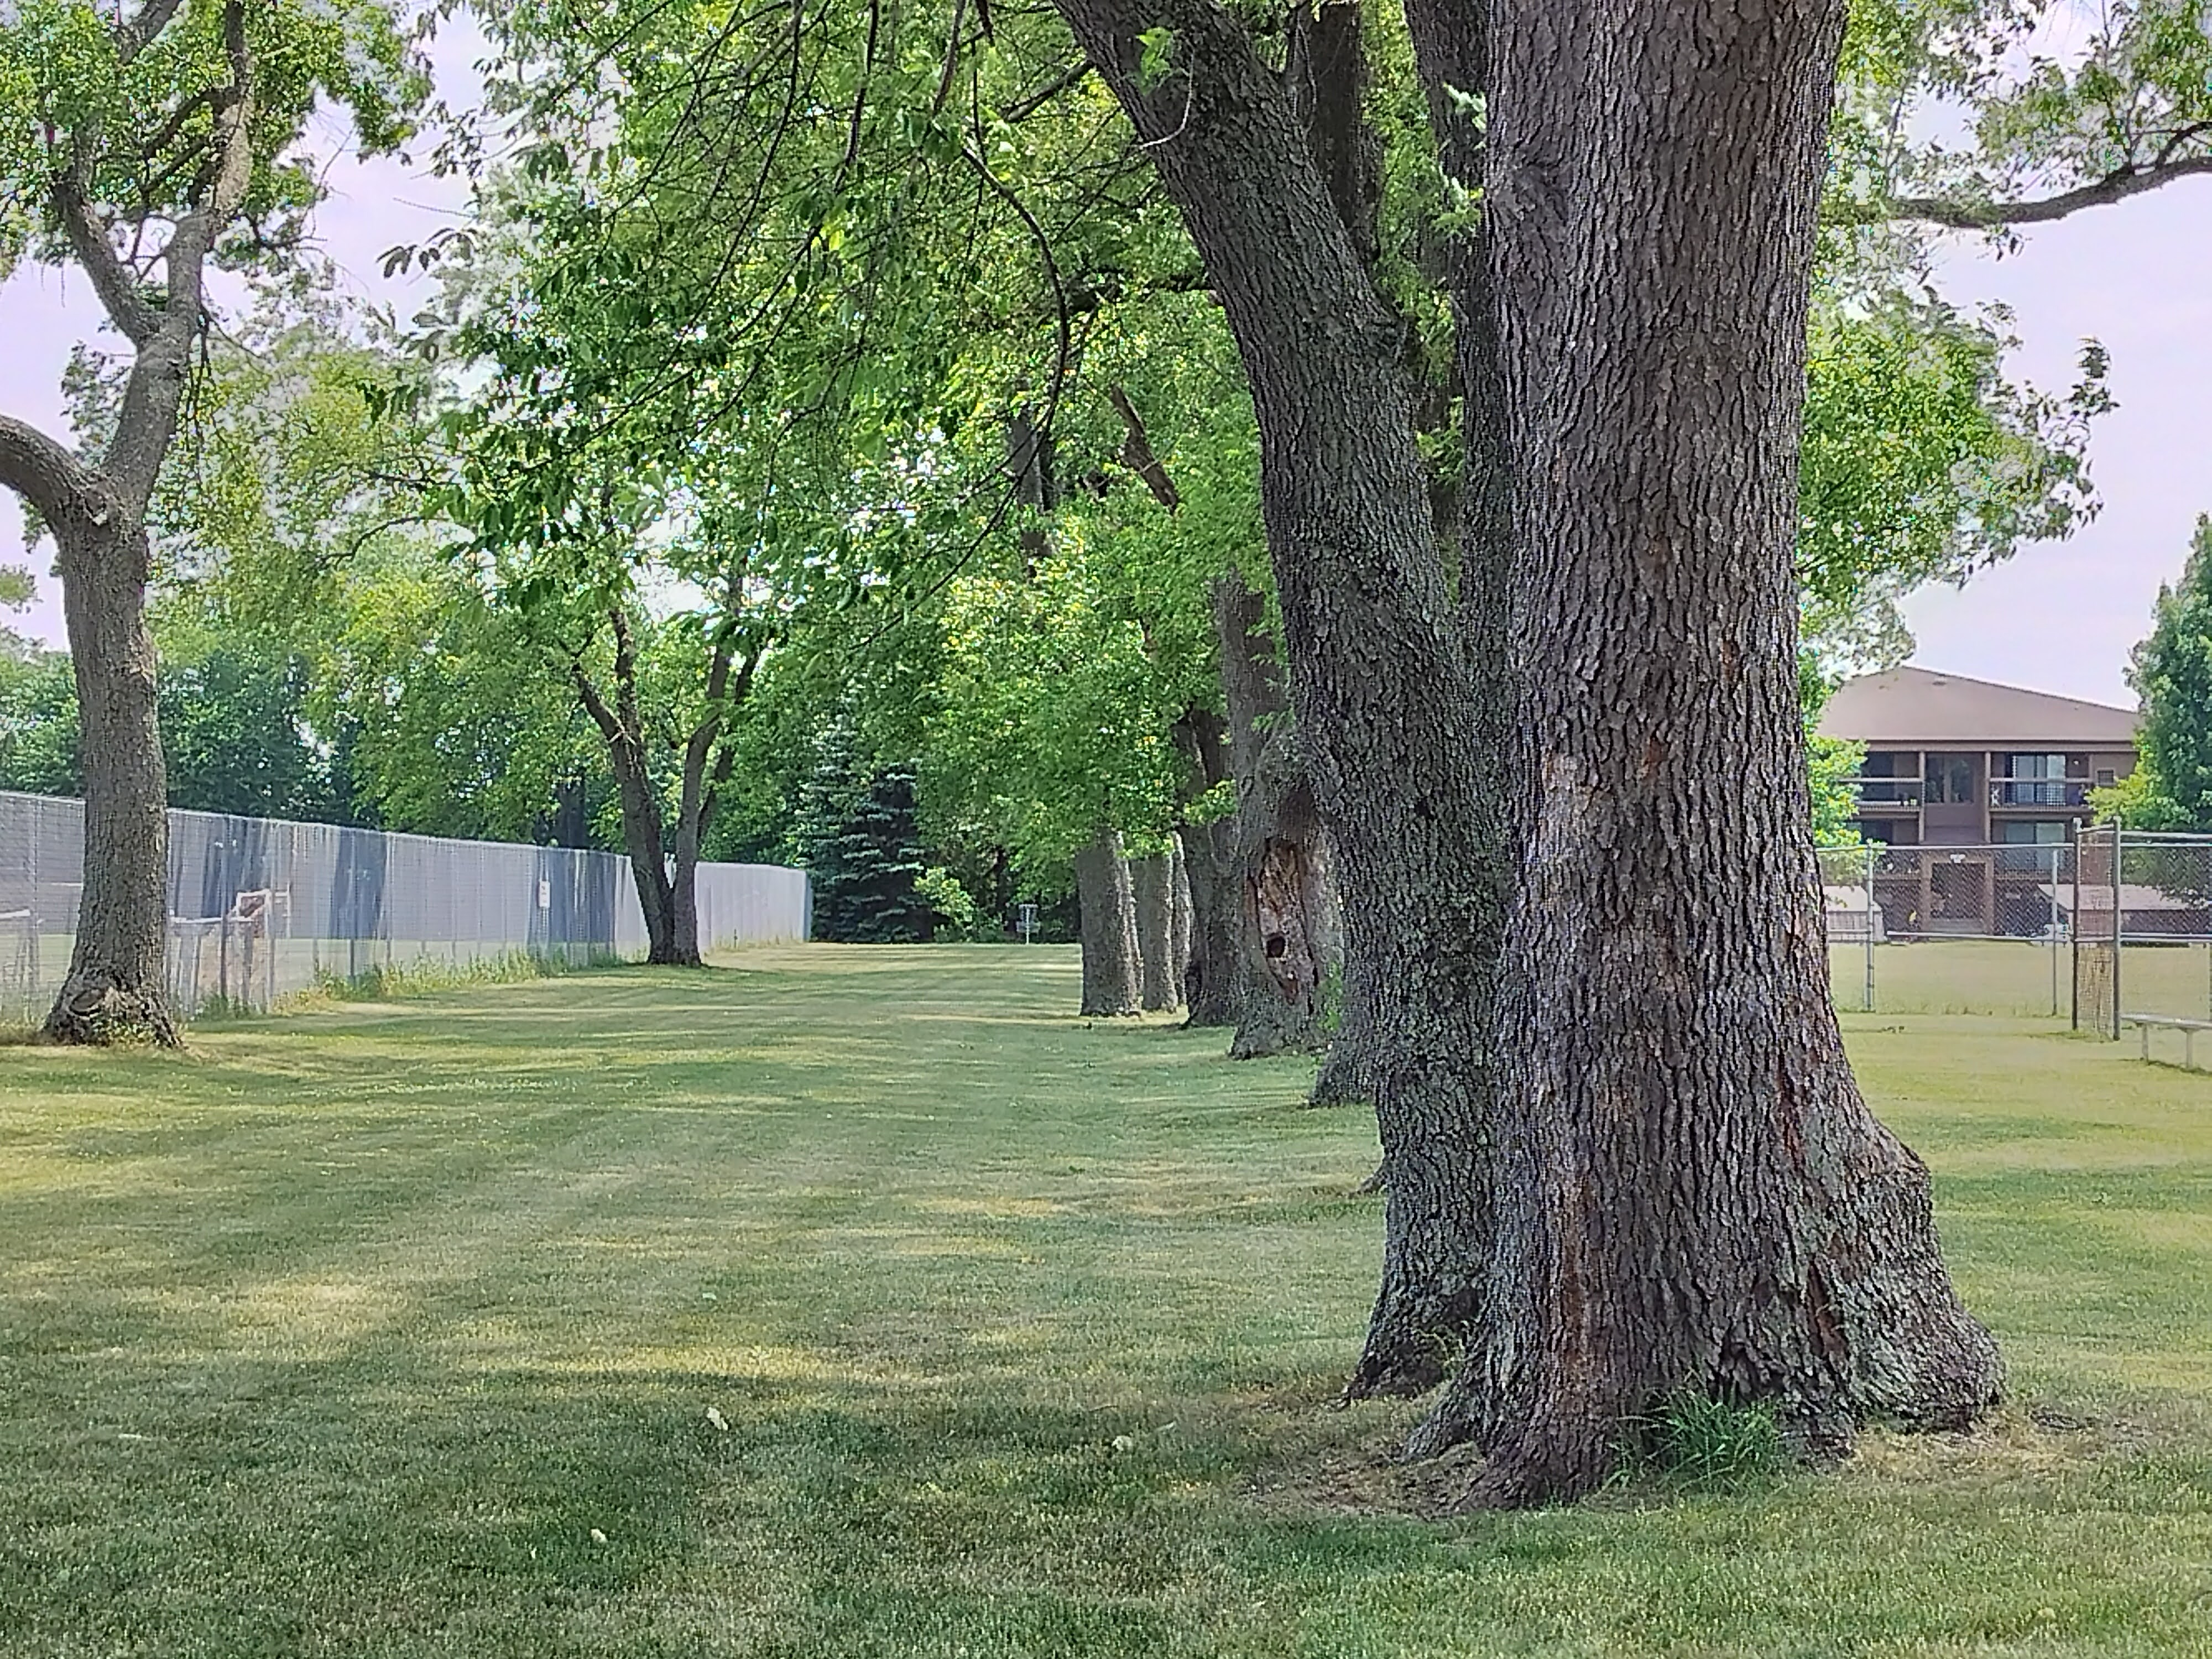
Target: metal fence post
(2116, 930)
(2054, 932)
(2075, 929)
(1868, 929)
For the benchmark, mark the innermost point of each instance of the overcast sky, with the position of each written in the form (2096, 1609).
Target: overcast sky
(2060, 618)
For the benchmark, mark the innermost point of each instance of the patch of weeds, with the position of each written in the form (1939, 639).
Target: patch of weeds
(428, 976)
(1707, 1445)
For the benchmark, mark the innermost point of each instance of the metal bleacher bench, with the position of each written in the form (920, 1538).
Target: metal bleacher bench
(2188, 1028)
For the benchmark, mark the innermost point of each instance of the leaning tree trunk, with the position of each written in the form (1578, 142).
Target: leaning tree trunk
(1151, 881)
(1109, 922)
(116, 988)
(1385, 699)
(1697, 1199)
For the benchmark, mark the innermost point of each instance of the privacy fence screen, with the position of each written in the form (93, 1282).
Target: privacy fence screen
(2108, 923)
(260, 909)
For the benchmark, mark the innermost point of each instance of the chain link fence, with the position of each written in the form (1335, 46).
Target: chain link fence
(2097, 931)
(1951, 930)
(260, 908)
(2145, 934)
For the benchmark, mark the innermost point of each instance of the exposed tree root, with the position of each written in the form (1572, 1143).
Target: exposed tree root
(93, 1011)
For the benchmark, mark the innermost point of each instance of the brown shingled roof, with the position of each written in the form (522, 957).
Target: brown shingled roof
(1920, 708)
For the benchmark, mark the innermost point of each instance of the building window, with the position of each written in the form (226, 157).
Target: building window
(1950, 780)
(2107, 777)
(2041, 832)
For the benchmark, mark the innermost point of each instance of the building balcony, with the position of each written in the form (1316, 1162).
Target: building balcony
(2039, 792)
(1888, 792)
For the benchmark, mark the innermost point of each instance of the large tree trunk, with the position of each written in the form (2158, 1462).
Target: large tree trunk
(1385, 700)
(1213, 991)
(1109, 922)
(1696, 1198)
(1152, 896)
(1291, 940)
(117, 985)
(1288, 937)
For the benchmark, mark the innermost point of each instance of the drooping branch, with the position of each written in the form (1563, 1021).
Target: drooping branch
(2114, 188)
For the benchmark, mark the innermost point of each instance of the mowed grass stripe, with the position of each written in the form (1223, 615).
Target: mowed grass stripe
(393, 1330)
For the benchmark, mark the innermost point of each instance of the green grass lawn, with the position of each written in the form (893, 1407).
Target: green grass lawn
(395, 1328)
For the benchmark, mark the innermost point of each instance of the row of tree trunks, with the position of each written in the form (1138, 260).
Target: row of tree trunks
(1384, 698)
(1662, 1177)
(1137, 920)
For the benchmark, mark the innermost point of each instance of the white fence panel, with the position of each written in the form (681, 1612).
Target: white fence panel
(260, 909)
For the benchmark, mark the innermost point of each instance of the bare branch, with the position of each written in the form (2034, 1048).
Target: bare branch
(2113, 187)
(1073, 75)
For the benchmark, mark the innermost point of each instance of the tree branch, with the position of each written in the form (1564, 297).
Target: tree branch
(115, 284)
(1073, 75)
(148, 420)
(139, 33)
(595, 704)
(59, 487)
(1138, 454)
(2113, 187)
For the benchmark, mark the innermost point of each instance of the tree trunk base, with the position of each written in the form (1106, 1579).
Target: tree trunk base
(1342, 1081)
(1257, 1039)
(93, 1011)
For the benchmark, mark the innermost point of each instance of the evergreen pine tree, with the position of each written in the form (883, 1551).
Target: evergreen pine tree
(858, 837)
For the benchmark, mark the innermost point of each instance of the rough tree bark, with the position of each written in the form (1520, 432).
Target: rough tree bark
(1381, 685)
(1694, 1196)
(1109, 922)
(1152, 883)
(115, 987)
(1289, 935)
